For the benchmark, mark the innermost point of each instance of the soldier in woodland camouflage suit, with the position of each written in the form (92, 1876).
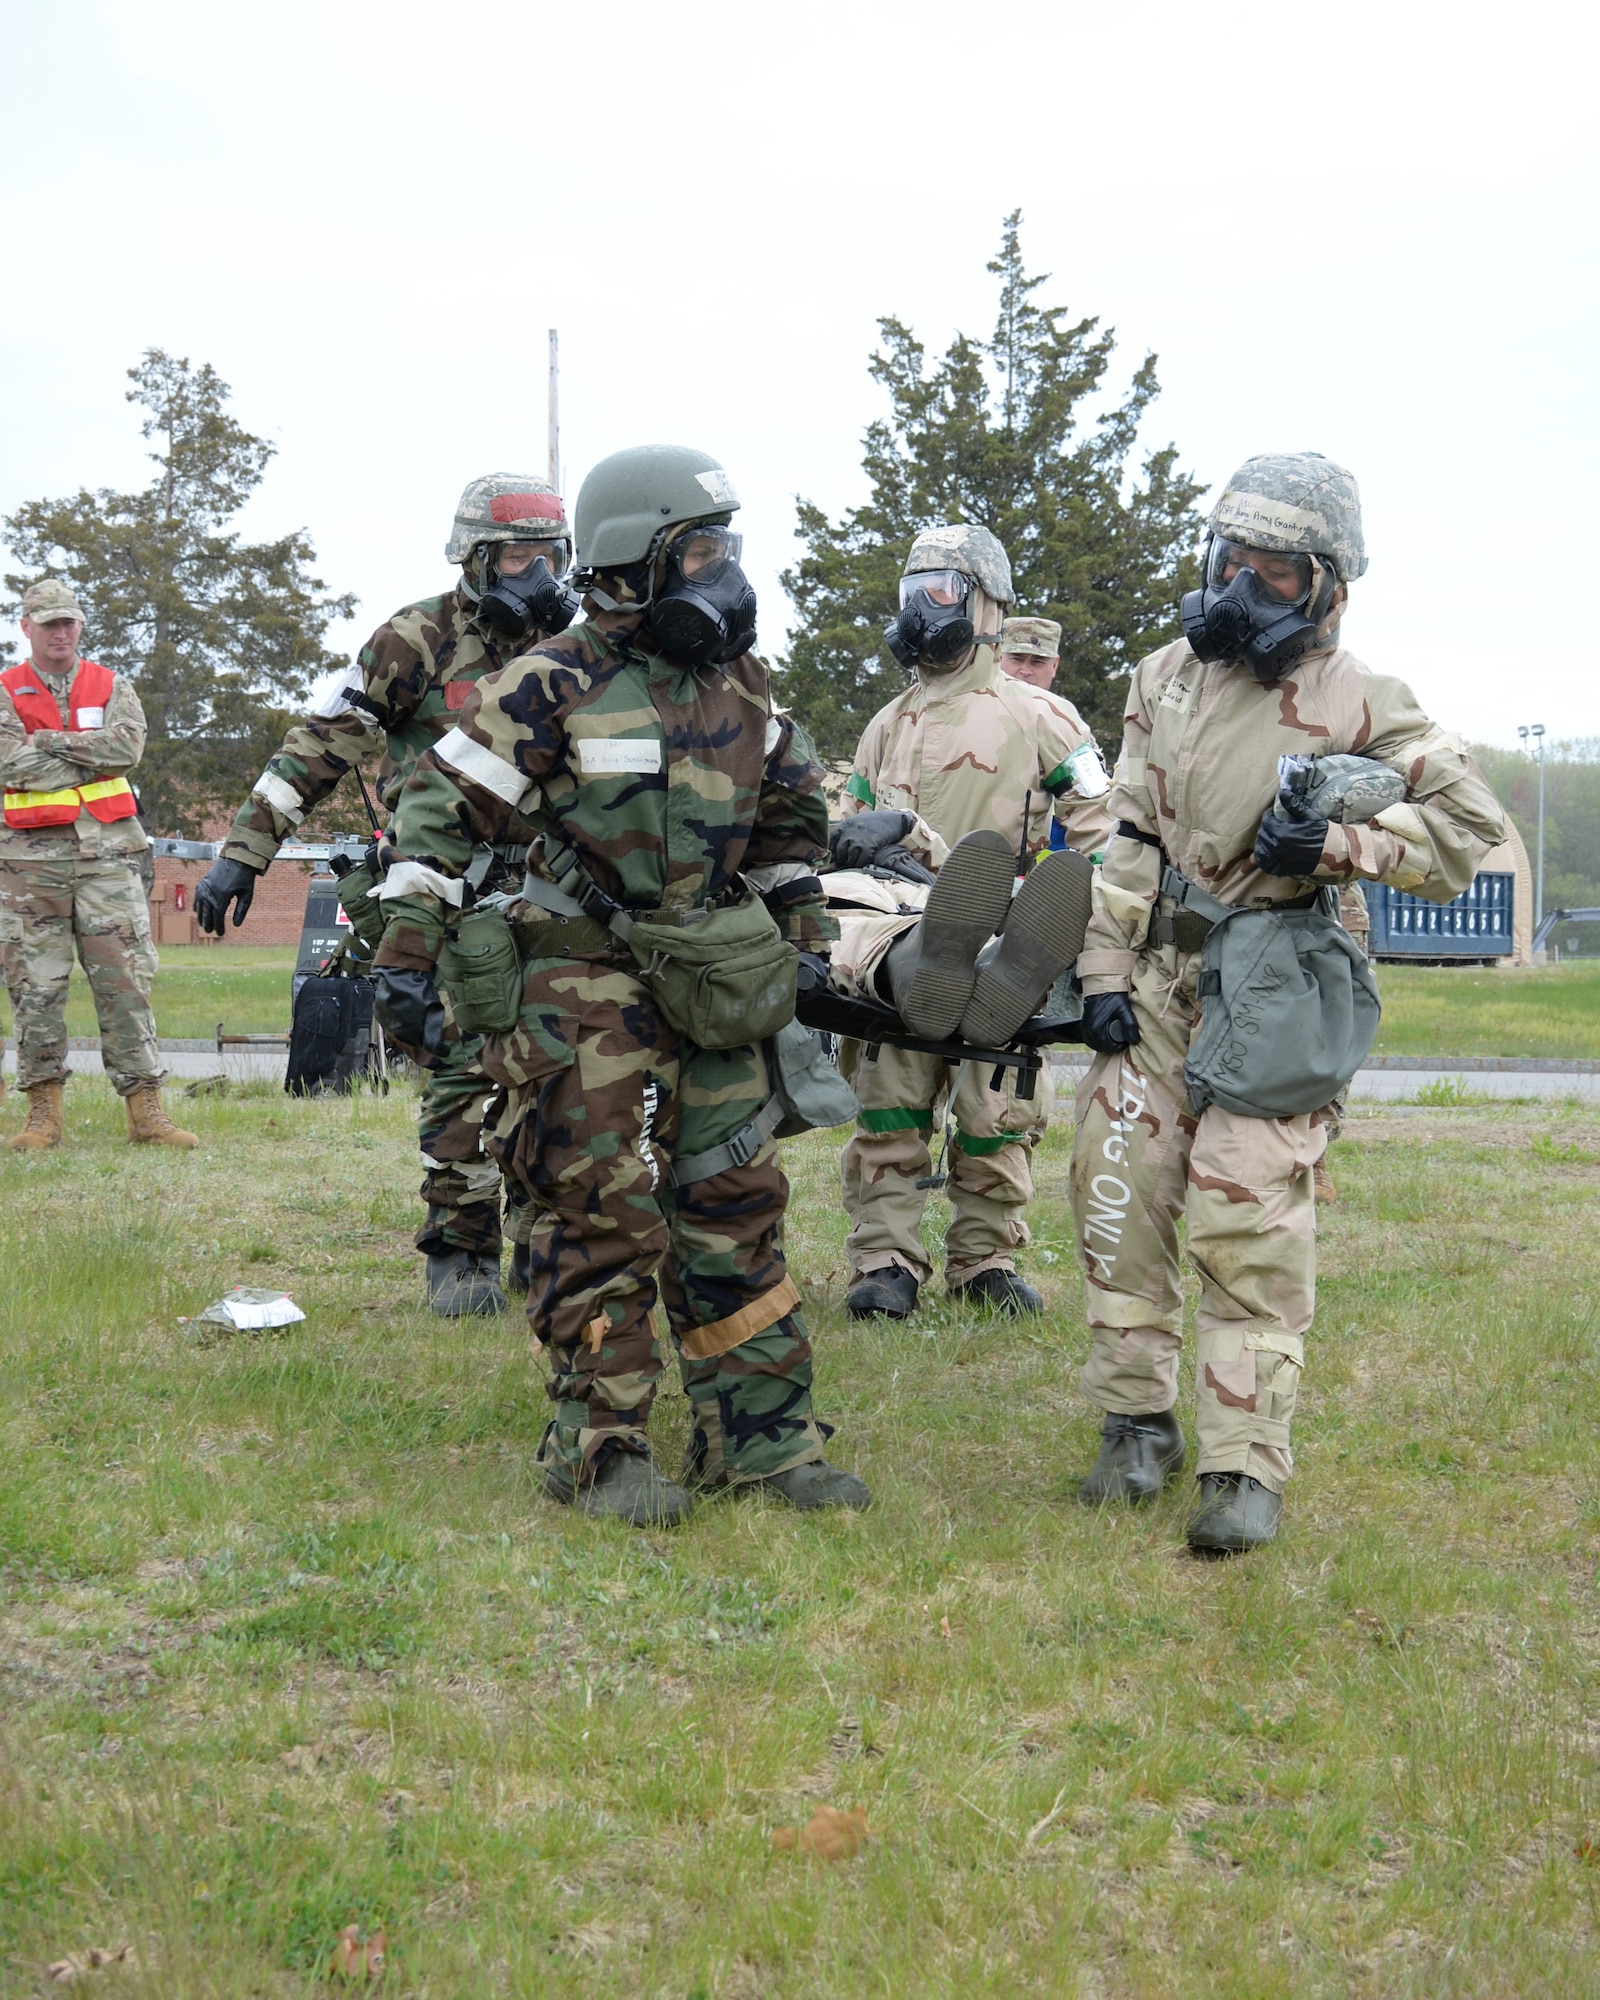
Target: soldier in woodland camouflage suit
(406, 689)
(959, 751)
(644, 744)
(70, 731)
(1261, 675)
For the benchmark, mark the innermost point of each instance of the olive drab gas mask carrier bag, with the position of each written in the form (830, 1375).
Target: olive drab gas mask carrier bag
(1289, 1008)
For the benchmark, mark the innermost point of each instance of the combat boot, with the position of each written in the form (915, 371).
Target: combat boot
(887, 1294)
(808, 1487)
(44, 1126)
(148, 1123)
(1138, 1455)
(932, 968)
(1041, 939)
(520, 1276)
(1322, 1181)
(1000, 1291)
(627, 1486)
(1236, 1513)
(462, 1283)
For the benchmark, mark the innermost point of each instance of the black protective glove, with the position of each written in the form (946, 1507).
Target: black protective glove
(901, 861)
(407, 1003)
(1109, 1023)
(224, 882)
(854, 842)
(1289, 840)
(812, 975)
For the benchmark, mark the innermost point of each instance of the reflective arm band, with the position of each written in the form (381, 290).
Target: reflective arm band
(280, 795)
(482, 766)
(416, 878)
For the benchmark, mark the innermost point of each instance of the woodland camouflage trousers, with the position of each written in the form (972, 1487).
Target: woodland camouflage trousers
(49, 907)
(1243, 1187)
(600, 1093)
(460, 1178)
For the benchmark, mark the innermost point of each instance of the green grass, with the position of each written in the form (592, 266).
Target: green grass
(244, 986)
(289, 1638)
(1436, 1011)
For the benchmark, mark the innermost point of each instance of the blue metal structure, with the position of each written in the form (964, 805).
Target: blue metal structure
(1476, 927)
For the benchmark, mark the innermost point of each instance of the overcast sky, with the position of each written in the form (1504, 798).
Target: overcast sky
(1363, 230)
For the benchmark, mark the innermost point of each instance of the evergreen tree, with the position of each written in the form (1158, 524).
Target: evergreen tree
(1000, 433)
(220, 635)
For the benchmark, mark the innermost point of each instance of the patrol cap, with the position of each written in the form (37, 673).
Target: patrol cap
(1038, 637)
(49, 602)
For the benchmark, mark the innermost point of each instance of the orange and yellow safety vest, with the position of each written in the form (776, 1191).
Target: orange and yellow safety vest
(105, 799)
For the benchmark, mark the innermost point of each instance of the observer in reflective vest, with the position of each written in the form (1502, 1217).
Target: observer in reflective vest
(70, 732)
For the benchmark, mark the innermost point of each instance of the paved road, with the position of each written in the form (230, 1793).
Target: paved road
(1392, 1079)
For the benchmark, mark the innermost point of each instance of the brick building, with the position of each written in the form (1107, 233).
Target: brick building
(275, 912)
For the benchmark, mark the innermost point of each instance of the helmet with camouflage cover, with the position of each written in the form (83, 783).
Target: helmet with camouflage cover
(1297, 503)
(630, 500)
(972, 551)
(506, 507)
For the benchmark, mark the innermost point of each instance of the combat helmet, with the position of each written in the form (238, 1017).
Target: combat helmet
(506, 507)
(972, 551)
(630, 500)
(1296, 503)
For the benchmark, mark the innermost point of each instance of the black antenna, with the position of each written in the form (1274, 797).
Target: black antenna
(1022, 844)
(366, 800)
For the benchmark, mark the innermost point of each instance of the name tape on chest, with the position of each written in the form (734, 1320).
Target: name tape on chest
(601, 755)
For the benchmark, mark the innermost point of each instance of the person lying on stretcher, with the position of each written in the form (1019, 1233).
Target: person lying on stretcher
(966, 954)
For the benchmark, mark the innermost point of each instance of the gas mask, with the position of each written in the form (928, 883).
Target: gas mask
(704, 613)
(532, 600)
(934, 629)
(1268, 625)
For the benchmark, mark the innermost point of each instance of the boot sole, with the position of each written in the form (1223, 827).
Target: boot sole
(966, 906)
(1042, 938)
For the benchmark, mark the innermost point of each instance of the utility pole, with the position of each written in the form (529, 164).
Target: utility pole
(1537, 733)
(554, 423)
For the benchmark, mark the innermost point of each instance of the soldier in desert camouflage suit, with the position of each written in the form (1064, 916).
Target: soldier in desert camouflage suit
(959, 751)
(405, 690)
(69, 852)
(664, 779)
(1195, 789)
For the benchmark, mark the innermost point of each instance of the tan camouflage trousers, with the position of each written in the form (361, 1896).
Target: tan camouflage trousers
(988, 1160)
(600, 1094)
(1242, 1187)
(50, 907)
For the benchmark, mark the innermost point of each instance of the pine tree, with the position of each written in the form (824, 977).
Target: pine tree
(1000, 433)
(221, 636)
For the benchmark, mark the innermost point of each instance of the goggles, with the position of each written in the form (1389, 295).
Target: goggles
(700, 555)
(944, 587)
(1286, 576)
(513, 558)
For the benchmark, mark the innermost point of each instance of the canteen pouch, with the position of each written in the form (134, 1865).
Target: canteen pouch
(367, 919)
(814, 1095)
(724, 978)
(1288, 1013)
(480, 969)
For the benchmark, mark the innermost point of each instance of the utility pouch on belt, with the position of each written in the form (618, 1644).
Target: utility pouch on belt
(808, 1095)
(481, 970)
(1288, 1009)
(354, 893)
(722, 977)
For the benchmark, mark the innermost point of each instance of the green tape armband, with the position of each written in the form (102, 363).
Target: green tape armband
(896, 1120)
(977, 1149)
(857, 788)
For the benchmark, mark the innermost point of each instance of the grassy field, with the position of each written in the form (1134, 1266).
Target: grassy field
(289, 1640)
(1426, 1010)
(244, 986)
(1430, 1010)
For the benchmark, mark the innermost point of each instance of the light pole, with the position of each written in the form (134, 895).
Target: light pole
(1537, 733)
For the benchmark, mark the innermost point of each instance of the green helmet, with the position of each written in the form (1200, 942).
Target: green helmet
(506, 507)
(631, 498)
(973, 551)
(1296, 503)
